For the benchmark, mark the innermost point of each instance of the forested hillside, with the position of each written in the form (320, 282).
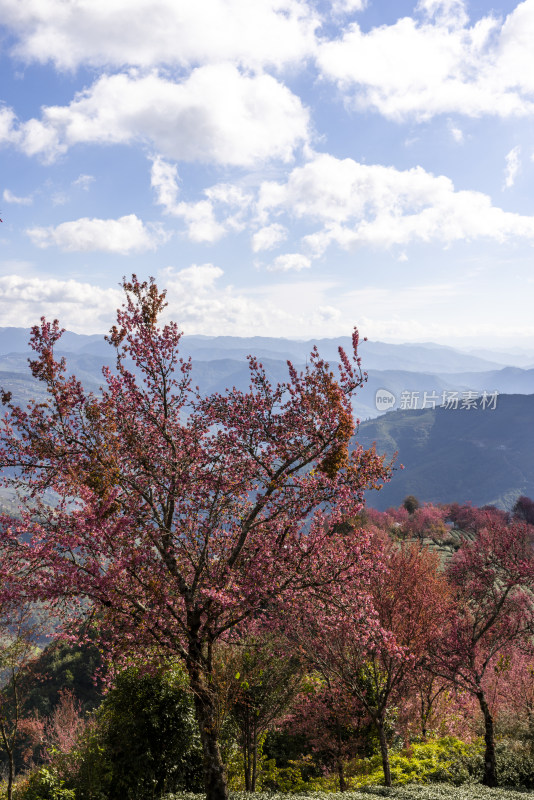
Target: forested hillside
(463, 455)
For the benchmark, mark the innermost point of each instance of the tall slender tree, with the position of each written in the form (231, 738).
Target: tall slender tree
(19, 632)
(493, 612)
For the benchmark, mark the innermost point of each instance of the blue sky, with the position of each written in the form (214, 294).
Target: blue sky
(283, 167)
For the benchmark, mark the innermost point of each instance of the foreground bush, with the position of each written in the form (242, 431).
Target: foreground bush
(142, 742)
(409, 792)
(151, 737)
(446, 760)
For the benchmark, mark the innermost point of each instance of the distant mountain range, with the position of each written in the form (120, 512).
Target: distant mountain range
(486, 456)
(427, 357)
(219, 362)
(472, 454)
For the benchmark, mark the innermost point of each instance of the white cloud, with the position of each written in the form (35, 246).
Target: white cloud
(81, 307)
(456, 133)
(268, 237)
(215, 115)
(154, 32)
(84, 181)
(59, 198)
(196, 302)
(125, 235)
(353, 204)
(290, 261)
(164, 180)
(197, 277)
(8, 120)
(200, 302)
(200, 305)
(513, 166)
(348, 6)
(9, 197)
(202, 224)
(449, 12)
(228, 194)
(329, 313)
(437, 64)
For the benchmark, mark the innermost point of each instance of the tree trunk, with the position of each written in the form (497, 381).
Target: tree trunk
(11, 775)
(490, 763)
(424, 717)
(341, 775)
(214, 773)
(384, 751)
(11, 761)
(254, 758)
(339, 761)
(247, 754)
(214, 776)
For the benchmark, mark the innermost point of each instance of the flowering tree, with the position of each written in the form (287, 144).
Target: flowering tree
(180, 517)
(513, 689)
(372, 652)
(332, 720)
(524, 509)
(491, 577)
(472, 518)
(426, 522)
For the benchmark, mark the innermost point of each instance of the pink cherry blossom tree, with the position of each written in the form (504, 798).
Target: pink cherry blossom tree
(493, 612)
(179, 517)
(333, 721)
(371, 650)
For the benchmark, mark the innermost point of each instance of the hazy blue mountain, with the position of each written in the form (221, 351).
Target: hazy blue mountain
(220, 362)
(375, 355)
(509, 380)
(514, 357)
(482, 456)
(426, 357)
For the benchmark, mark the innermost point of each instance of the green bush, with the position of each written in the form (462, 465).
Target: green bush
(150, 736)
(515, 764)
(45, 784)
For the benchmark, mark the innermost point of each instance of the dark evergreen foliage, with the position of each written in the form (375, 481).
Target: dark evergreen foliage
(151, 737)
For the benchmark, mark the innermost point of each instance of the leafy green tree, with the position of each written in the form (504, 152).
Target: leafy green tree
(411, 503)
(151, 737)
(265, 682)
(18, 634)
(62, 666)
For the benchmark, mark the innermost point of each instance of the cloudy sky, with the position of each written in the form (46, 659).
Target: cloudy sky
(283, 167)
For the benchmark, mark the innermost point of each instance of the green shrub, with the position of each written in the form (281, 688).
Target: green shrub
(150, 736)
(45, 784)
(515, 764)
(89, 765)
(444, 760)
